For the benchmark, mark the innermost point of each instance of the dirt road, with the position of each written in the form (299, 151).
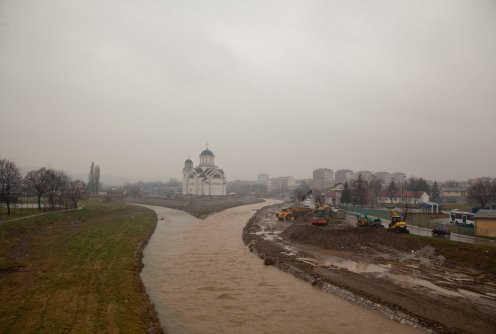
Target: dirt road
(402, 276)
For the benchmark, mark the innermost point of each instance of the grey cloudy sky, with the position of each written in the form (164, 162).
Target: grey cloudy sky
(278, 86)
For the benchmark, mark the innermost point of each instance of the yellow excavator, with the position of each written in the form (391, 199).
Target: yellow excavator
(285, 214)
(397, 224)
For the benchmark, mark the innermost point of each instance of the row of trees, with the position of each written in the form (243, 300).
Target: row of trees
(55, 185)
(360, 191)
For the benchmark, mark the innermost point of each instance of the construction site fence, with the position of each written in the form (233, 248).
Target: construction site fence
(383, 214)
(424, 220)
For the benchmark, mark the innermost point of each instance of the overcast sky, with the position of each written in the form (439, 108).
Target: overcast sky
(282, 87)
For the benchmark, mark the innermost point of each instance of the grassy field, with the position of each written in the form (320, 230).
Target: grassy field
(76, 272)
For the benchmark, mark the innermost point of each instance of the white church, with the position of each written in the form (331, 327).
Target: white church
(205, 179)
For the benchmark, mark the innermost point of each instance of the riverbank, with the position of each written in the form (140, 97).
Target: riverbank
(430, 284)
(77, 271)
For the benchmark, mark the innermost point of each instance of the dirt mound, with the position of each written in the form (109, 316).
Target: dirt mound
(349, 238)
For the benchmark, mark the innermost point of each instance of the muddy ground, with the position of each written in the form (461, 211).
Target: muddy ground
(434, 285)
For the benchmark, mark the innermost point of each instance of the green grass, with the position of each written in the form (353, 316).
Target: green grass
(75, 272)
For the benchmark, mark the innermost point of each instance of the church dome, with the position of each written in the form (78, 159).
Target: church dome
(207, 152)
(188, 163)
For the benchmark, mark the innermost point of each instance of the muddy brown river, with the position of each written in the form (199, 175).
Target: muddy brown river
(203, 279)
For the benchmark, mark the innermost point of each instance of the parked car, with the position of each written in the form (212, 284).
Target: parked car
(441, 230)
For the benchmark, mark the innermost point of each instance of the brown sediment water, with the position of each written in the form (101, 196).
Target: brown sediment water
(203, 279)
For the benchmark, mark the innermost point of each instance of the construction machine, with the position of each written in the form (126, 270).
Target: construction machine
(300, 211)
(284, 214)
(338, 214)
(292, 213)
(364, 221)
(321, 215)
(397, 223)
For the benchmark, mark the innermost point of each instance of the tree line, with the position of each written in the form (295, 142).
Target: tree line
(55, 185)
(362, 192)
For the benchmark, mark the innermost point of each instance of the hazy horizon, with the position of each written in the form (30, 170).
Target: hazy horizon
(281, 87)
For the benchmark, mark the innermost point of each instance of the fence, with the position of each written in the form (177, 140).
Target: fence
(366, 211)
(26, 206)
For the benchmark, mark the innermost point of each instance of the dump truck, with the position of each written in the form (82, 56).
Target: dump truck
(300, 211)
(397, 224)
(321, 215)
(292, 213)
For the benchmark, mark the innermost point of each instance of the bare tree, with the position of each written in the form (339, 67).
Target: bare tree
(346, 196)
(301, 191)
(391, 191)
(10, 181)
(359, 189)
(417, 184)
(37, 181)
(76, 189)
(319, 198)
(375, 186)
(481, 191)
(56, 186)
(436, 192)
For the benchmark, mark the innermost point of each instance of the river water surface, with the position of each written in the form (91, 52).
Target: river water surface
(203, 279)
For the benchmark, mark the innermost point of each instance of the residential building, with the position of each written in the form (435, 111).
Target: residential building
(405, 197)
(454, 194)
(262, 178)
(304, 182)
(343, 175)
(366, 175)
(333, 195)
(282, 184)
(246, 187)
(322, 178)
(381, 175)
(397, 177)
